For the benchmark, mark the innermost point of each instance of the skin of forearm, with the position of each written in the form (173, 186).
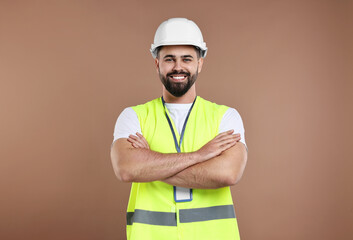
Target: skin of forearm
(144, 165)
(221, 171)
(194, 177)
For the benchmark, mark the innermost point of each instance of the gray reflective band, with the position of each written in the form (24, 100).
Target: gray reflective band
(204, 214)
(151, 217)
(185, 215)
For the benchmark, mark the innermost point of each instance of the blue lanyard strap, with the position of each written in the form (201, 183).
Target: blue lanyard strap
(177, 146)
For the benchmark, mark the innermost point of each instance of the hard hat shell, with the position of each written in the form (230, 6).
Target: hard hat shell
(178, 31)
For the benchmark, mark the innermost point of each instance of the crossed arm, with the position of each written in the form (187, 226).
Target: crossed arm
(219, 163)
(220, 171)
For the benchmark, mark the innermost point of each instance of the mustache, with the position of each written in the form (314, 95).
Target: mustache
(178, 72)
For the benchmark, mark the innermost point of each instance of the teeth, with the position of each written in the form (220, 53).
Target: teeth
(178, 78)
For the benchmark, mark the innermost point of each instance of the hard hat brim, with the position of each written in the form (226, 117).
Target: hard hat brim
(202, 48)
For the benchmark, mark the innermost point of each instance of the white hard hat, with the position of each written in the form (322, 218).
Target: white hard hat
(178, 31)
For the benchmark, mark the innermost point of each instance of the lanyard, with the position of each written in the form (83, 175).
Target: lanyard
(178, 145)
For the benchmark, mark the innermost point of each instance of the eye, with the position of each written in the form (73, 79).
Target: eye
(168, 59)
(187, 59)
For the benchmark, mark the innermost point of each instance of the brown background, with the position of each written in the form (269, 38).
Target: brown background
(68, 68)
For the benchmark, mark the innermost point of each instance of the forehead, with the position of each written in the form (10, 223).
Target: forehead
(178, 50)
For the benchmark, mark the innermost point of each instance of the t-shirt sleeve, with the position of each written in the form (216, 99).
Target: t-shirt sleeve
(232, 120)
(126, 124)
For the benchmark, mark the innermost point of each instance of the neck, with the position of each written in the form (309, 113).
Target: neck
(188, 97)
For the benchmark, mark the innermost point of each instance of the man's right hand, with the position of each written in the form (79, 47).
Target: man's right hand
(219, 144)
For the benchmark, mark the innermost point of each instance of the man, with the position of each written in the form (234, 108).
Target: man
(180, 152)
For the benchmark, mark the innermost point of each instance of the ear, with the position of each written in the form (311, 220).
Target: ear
(156, 62)
(200, 63)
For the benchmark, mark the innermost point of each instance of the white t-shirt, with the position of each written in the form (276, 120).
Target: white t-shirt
(128, 123)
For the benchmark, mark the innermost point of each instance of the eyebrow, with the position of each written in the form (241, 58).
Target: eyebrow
(173, 56)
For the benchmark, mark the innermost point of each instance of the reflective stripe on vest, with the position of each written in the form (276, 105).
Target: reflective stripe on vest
(151, 217)
(205, 214)
(185, 215)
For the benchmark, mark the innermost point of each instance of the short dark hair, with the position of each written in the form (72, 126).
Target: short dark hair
(198, 51)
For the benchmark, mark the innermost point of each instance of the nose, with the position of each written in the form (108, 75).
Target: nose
(178, 65)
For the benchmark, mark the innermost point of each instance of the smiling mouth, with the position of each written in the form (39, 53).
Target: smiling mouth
(178, 78)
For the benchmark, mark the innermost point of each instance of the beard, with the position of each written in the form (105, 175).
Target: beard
(178, 89)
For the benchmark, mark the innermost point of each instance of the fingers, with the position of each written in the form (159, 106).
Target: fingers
(135, 142)
(237, 138)
(143, 139)
(233, 139)
(226, 137)
(229, 132)
(140, 135)
(138, 141)
(229, 141)
(216, 146)
(228, 145)
(135, 145)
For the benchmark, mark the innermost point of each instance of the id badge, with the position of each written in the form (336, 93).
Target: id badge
(182, 194)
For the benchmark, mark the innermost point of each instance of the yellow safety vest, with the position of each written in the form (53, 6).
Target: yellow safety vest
(152, 212)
